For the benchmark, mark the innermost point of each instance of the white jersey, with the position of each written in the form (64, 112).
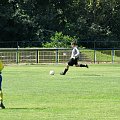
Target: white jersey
(75, 53)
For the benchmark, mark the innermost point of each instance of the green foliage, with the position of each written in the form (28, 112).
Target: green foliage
(16, 24)
(59, 40)
(37, 20)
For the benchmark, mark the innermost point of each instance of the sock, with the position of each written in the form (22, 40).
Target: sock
(81, 65)
(65, 71)
(1, 96)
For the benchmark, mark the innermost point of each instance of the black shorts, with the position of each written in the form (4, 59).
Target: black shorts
(73, 61)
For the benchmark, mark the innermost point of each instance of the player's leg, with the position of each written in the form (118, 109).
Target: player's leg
(1, 94)
(1, 101)
(70, 63)
(65, 70)
(80, 65)
(84, 65)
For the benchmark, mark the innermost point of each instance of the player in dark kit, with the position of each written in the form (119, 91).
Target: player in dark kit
(74, 59)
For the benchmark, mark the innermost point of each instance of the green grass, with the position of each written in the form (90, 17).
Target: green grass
(30, 93)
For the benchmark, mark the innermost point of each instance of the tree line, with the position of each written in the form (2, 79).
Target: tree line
(41, 20)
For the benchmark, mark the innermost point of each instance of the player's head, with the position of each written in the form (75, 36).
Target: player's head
(74, 43)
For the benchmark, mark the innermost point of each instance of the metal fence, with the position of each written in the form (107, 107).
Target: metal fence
(57, 55)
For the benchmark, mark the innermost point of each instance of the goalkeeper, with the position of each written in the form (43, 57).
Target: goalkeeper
(74, 59)
(1, 94)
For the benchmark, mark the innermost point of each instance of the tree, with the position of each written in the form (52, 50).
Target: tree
(38, 20)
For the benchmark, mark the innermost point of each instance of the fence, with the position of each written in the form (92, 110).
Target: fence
(55, 55)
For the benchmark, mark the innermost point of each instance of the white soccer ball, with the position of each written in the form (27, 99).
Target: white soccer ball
(52, 72)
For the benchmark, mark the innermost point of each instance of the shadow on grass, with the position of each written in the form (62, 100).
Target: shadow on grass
(37, 108)
(92, 75)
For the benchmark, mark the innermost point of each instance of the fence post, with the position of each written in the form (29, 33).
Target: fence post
(113, 54)
(37, 56)
(94, 56)
(94, 53)
(17, 54)
(56, 55)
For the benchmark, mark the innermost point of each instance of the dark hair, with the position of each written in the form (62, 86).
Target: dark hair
(74, 42)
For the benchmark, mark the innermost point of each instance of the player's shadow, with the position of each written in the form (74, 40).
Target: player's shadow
(92, 75)
(37, 108)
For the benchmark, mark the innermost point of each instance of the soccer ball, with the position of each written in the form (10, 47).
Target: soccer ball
(1, 65)
(52, 72)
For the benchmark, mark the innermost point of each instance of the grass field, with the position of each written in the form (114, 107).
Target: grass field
(30, 93)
